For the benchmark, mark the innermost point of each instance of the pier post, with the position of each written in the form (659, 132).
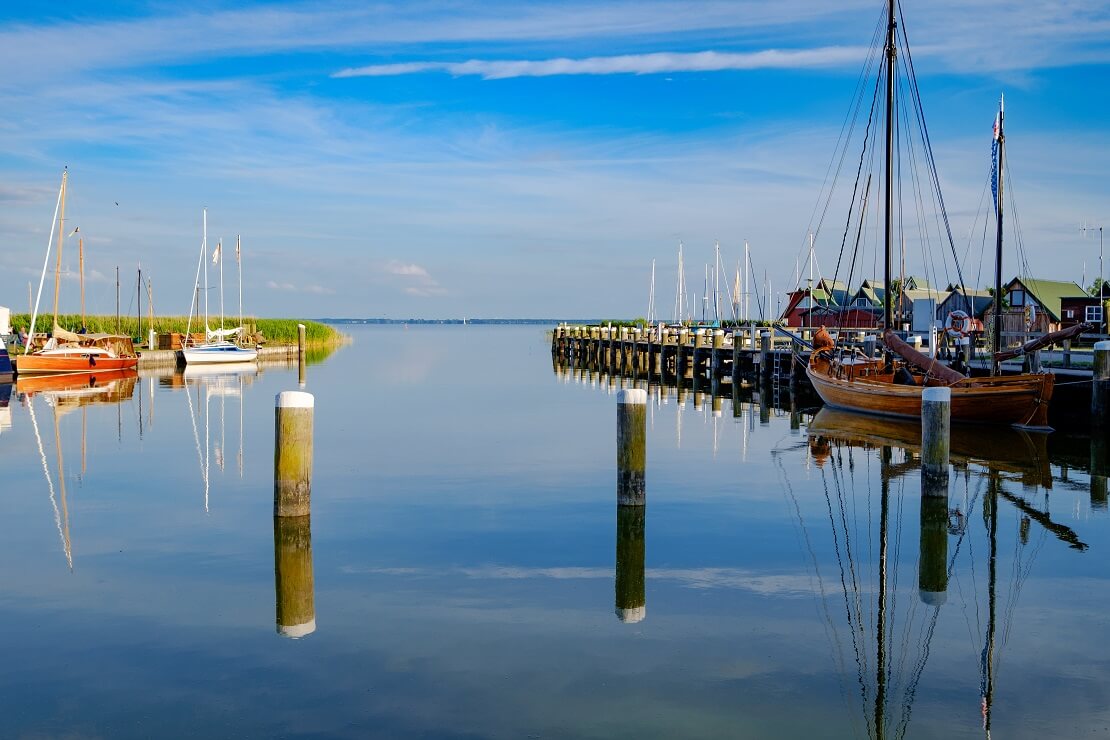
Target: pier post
(631, 601)
(631, 446)
(1067, 354)
(765, 354)
(869, 343)
(1100, 387)
(294, 588)
(1031, 363)
(293, 453)
(936, 424)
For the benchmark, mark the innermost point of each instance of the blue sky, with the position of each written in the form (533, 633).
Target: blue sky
(510, 159)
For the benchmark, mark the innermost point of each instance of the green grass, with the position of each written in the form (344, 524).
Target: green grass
(276, 331)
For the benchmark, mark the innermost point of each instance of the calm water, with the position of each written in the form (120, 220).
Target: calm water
(464, 543)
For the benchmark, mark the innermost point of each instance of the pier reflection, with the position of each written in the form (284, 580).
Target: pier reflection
(294, 588)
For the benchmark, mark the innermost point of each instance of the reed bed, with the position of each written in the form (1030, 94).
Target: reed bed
(275, 331)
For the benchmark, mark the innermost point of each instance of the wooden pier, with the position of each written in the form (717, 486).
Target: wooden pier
(749, 354)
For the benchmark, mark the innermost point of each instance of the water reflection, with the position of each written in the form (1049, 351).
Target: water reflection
(293, 581)
(631, 600)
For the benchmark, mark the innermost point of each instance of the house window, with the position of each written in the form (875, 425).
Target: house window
(1069, 314)
(1094, 314)
(1017, 297)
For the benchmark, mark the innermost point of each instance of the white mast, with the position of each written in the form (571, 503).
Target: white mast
(239, 266)
(717, 283)
(220, 257)
(736, 294)
(204, 250)
(811, 272)
(705, 294)
(747, 271)
(651, 297)
(45, 264)
(680, 299)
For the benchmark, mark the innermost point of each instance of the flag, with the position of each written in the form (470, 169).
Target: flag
(75, 231)
(216, 253)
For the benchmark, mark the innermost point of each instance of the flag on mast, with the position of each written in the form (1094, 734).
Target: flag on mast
(216, 253)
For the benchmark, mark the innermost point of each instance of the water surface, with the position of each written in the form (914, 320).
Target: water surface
(465, 543)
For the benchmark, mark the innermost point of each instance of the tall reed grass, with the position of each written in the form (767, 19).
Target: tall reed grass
(275, 331)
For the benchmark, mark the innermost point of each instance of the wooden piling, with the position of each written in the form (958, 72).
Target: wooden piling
(936, 424)
(631, 601)
(1100, 387)
(1100, 467)
(293, 453)
(631, 446)
(294, 587)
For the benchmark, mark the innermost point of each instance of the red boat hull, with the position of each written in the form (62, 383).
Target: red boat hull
(35, 364)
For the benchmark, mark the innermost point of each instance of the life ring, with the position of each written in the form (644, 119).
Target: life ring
(958, 324)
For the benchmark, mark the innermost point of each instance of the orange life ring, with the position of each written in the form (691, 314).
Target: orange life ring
(958, 324)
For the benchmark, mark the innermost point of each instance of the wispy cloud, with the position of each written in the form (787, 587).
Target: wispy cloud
(291, 288)
(655, 63)
(424, 284)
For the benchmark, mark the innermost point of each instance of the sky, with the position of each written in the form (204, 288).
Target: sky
(513, 159)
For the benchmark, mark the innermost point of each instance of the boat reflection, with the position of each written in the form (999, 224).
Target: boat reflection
(1004, 449)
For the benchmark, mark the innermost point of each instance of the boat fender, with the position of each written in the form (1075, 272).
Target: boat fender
(904, 377)
(958, 324)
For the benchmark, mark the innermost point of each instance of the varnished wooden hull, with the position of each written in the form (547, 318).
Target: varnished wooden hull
(1020, 400)
(35, 364)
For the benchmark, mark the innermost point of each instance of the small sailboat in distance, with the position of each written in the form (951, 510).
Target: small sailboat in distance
(216, 347)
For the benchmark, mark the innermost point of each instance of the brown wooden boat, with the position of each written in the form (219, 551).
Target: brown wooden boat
(860, 384)
(79, 353)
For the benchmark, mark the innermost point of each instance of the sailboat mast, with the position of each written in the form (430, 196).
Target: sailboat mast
(61, 238)
(204, 259)
(239, 267)
(220, 256)
(747, 271)
(81, 268)
(996, 338)
(891, 61)
(717, 283)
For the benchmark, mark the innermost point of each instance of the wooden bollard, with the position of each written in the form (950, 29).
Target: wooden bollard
(301, 339)
(293, 453)
(1100, 386)
(932, 566)
(631, 446)
(293, 582)
(936, 427)
(631, 602)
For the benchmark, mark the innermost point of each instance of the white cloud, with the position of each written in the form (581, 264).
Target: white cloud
(655, 63)
(425, 285)
(291, 288)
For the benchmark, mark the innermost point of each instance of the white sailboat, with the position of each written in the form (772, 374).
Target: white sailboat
(217, 348)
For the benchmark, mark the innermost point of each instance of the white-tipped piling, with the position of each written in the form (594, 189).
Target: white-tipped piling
(631, 446)
(936, 427)
(293, 453)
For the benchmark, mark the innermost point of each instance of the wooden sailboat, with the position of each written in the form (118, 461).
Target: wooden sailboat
(65, 351)
(892, 385)
(216, 348)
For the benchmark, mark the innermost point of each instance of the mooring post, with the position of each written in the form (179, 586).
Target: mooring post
(631, 446)
(965, 348)
(629, 583)
(936, 425)
(932, 568)
(869, 343)
(293, 582)
(765, 354)
(300, 339)
(1100, 387)
(293, 453)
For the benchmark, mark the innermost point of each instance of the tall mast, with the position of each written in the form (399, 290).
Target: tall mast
(81, 268)
(239, 266)
(996, 338)
(204, 250)
(747, 272)
(651, 296)
(891, 61)
(717, 283)
(61, 237)
(811, 273)
(139, 302)
(220, 257)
